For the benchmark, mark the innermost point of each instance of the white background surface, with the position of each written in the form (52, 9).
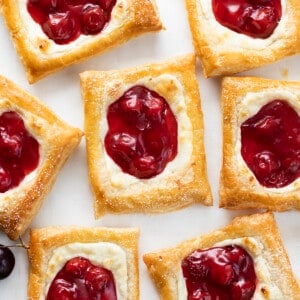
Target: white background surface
(70, 201)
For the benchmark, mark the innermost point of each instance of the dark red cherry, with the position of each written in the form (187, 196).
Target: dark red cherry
(7, 261)
(142, 133)
(255, 18)
(93, 19)
(60, 27)
(225, 273)
(10, 144)
(5, 179)
(64, 290)
(79, 279)
(144, 167)
(222, 274)
(97, 279)
(271, 144)
(19, 151)
(124, 146)
(242, 290)
(77, 267)
(64, 21)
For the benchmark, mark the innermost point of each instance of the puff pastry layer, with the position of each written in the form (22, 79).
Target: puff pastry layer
(225, 52)
(57, 140)
(44, 241)
(164, 266)
(184, 180)
(239, 188)
(41, 56)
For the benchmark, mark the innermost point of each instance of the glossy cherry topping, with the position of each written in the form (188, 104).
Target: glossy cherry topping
(79, 279)
(224, 273)
(64, 20)
(271, 144)
(255, 18)
(19, 151)
(142, 134)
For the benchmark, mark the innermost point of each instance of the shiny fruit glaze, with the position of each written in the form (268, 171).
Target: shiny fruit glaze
(79, 279)
(271, 144)
(224, 273)
(63, 21)
(255, 18)
(19, 151)
(142, 132)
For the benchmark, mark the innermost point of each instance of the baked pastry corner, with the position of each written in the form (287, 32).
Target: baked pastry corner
(242, 98)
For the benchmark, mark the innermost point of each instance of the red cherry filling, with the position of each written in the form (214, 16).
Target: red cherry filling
(271, 144)
(255, 18)
(79, 279)
(142, 134)
(19, 151)
(225, 273)
(63, 21)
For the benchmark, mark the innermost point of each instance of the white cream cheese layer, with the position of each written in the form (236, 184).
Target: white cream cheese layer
(35, 33)
(265, 289)
(248, 107)
(227, 38)
(107, 255)
(163, 85)
(29, 120)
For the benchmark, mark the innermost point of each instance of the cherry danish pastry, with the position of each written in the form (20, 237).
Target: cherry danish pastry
(34, 145)
(145, 138)
(261, 150)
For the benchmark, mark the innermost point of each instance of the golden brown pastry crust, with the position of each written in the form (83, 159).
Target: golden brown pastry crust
(99, 89)
(218, 59)
(141, 17)
(164, 265)
(45, 240)
(57, 141)
(239, 188)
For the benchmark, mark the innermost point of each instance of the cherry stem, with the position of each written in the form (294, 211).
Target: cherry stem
(21, 245)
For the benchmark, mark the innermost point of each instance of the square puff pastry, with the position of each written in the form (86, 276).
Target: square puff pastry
(239, 188)
(41, 56)
(57, 140)
(262, 241)
(184, 180)
(225, 52)
(45, 241)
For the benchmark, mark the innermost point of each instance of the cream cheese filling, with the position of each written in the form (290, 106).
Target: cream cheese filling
(265, 289)
(107, 255)
(166, 85)
(35, 33)
(251, 103)
(224, 37)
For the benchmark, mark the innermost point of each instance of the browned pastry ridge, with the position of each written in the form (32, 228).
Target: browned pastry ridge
(44, 241)
(36, 52)
(165, 265)
(174, 80)
(57, 140)
(239, 188)
(225, 52)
